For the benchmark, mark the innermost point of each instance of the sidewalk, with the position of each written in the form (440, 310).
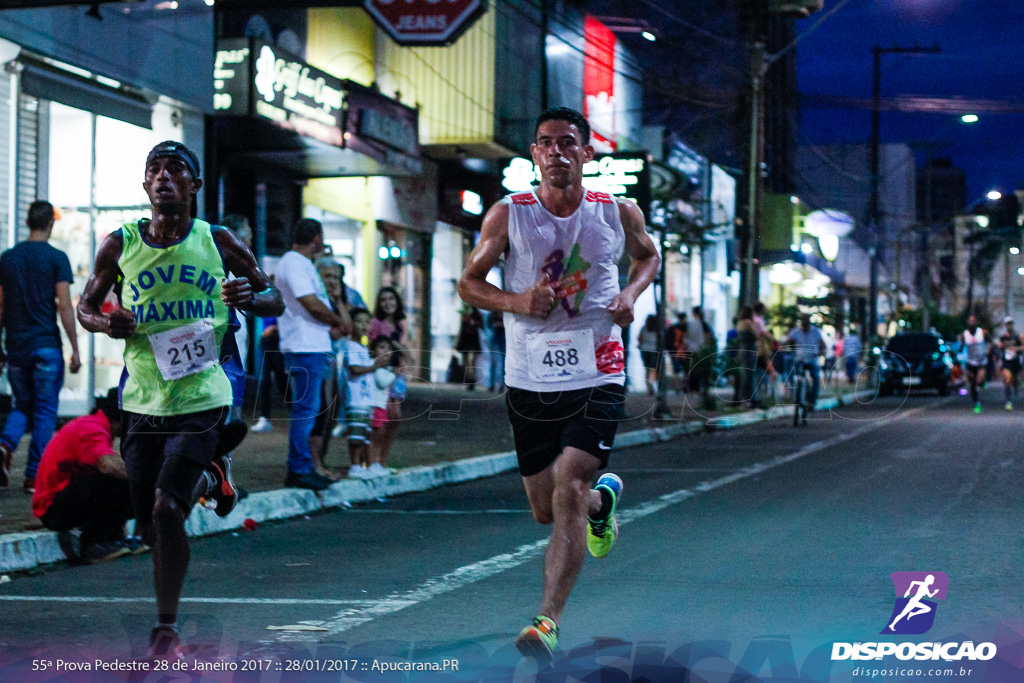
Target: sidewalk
(448, 435)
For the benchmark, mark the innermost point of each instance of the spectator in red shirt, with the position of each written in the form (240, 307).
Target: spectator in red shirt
(82, 484)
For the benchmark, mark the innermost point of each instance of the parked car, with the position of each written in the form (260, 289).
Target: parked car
(916, 360)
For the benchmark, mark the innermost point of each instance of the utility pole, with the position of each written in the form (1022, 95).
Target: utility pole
(926, 258)
(874, 213)
(760, 62)
(758, 67)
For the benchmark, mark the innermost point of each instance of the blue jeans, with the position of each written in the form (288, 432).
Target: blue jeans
(306, 372)
(36, 378)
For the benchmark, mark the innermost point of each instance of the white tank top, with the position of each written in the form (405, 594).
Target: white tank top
(977, 349)
(577, 346)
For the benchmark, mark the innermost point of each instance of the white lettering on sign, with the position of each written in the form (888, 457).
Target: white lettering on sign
(271, 112)
(293, 79)
(230, 57)
(420, 22)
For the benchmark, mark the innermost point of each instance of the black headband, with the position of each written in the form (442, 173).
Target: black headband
(177, 151)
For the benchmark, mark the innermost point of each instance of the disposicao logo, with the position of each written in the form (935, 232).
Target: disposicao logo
(916, 593)
(914, 614)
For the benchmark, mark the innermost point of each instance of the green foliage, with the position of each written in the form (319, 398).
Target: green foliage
(947, 325)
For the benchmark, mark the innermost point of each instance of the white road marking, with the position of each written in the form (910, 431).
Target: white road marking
(219, 601)
(478, 571)
(438, 512)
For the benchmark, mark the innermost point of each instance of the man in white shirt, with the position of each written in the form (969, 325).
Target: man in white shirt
(307, 327)
(809, 346)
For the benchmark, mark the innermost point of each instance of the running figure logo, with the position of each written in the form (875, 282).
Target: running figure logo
(914, 613)
(566, 276)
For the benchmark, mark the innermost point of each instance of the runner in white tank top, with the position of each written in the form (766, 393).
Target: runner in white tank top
(564, 315)
(975, 340)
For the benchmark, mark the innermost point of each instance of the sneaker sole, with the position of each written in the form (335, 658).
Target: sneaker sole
(531, 645)
(227, 492)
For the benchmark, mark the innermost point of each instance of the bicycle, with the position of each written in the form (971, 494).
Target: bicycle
(803, 382)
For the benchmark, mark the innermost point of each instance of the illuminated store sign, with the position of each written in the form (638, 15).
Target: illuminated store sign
(624, 174)
(252, 78)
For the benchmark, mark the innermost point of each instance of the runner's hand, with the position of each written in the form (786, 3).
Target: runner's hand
(621, 309)
(120, 323)
(539, 299)
(237, 294)
(76, 363)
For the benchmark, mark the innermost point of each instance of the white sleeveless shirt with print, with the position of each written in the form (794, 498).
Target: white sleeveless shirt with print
(577, 346)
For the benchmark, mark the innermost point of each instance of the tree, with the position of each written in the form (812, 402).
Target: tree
(1001, 230)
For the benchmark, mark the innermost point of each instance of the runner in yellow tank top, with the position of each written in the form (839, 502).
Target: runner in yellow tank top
(169, 273)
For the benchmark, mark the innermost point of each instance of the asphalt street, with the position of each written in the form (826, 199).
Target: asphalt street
(742, 553)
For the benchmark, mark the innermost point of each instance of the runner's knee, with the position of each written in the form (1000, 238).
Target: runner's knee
(167, 512)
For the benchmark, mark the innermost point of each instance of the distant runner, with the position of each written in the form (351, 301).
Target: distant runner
(975, 340)
(1011, 344)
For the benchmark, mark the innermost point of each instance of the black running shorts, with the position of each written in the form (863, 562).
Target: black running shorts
(170, 454)
(545, 423)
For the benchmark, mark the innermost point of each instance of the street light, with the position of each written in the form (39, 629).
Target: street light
(969, 118)
(994, 195)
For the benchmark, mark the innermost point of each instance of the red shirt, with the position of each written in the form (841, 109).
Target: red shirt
(73, 450)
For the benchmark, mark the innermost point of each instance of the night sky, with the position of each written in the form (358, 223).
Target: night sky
(982, 57)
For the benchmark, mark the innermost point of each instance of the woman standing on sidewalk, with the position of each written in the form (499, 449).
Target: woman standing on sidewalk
(388, 317)
(647, 341)
(468, 343)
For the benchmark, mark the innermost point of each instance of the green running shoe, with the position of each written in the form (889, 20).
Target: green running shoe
(601, 533)
(539, 640)
(977, 408)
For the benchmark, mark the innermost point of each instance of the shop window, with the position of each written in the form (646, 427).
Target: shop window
(92, 203)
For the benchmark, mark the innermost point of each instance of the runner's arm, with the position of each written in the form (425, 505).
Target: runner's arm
(120, 324)
(252, 290)
(644, 266)
(474, 288)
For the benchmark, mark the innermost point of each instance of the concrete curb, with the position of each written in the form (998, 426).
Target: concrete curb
(25, 551)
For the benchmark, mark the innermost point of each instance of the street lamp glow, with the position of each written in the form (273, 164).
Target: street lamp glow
(969, 118)
(649, 36)
(982, 221)
(1014, 250)
(806, 248)
(994, 195)
(1020, 271)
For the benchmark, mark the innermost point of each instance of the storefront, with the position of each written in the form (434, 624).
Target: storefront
(291, 141)
(77, 118)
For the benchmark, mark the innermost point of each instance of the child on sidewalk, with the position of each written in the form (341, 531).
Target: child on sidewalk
(361, 368)
(384, 353)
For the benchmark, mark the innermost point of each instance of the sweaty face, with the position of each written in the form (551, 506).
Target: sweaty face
(169, 184)
(560, 153)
